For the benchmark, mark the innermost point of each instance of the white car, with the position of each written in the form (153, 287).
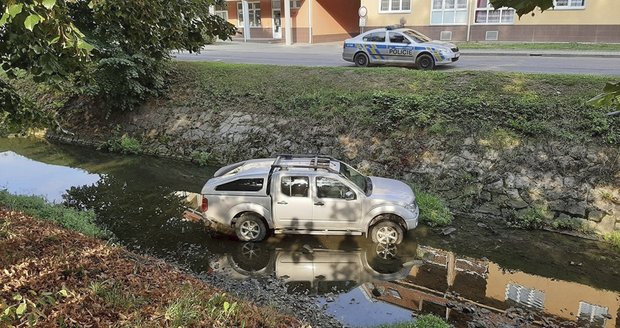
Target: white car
(398, 46)
(308, 194)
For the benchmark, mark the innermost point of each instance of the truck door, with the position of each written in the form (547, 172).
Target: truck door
(375, 46)
(336, 205)
(292, 202)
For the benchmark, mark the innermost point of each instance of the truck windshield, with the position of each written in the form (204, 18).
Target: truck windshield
(352, 174)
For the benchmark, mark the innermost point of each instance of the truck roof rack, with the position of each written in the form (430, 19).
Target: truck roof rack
(316, 162)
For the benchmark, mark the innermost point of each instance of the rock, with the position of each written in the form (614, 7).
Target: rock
(576, 208)
(489, 208)
(448, 231)
(485, 196)
(596, 215)
(497, 185)
(517, 204)
(482, 225)
(330, 299)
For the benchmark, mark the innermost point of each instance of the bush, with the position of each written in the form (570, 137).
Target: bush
(433, 211)
(80, 221)
(423, 321)
(613, 238)
(532, 218)
(123, 145)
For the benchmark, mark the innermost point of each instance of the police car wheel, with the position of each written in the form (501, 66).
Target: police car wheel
(425, 62)
(361, 60)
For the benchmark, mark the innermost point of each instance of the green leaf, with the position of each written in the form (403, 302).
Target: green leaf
(226, 306)
(21, 309)
(15, 9)
(49, 4)
(54, 40)
(31, 21)
(63, 293)
(4, 19)
(17, 297)
(85, 45)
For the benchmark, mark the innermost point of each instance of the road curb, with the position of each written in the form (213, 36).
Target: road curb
(539, 54)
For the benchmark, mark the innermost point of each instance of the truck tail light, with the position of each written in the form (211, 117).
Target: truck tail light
(205, 204)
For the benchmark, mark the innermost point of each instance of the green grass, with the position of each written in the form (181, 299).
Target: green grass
(575, 46)
(387, 99)
(81, 221)
(114, 295)
(190, 307)
(613, 238)
(423, 321)
(433, 211)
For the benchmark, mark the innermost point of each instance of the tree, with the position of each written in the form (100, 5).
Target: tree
(610, 97)
(116, 49)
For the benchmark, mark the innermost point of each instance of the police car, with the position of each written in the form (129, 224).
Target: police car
(398, 46)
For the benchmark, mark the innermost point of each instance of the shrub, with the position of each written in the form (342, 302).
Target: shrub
(613, 238)
(423, 321)
(532, 218)
(123, 145)
(433, 211)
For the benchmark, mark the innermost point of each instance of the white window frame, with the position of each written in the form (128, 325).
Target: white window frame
(593, 311)
(454, 10)
(250, 9)
(296, 4)
(391, 11)
(569, 6)
(490, 8)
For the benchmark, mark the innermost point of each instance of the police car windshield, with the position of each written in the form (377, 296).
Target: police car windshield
(417, 36)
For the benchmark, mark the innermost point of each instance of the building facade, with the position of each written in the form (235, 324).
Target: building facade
(476, 20)
(310, 21)
(314, 21)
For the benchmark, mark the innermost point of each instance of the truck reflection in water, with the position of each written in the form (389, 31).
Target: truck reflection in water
(317, 270)
(446, 279)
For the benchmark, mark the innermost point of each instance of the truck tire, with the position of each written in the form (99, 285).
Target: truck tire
(361, 59)
(250, 227)
(387, 232)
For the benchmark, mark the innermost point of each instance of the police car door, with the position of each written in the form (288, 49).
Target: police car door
(375, 46)
(400, 49)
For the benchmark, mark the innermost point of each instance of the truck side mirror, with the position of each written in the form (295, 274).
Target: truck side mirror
(349, 195)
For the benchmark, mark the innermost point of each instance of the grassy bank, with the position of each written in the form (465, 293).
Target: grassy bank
(388, 100)
(572, 46)
(54, 276)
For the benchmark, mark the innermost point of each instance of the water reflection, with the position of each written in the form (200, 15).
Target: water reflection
(137, 199)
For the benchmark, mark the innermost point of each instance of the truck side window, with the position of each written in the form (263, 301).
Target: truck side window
(375, 37)
(295, 186)
(331, 188)
(396, 37)
(242, 185)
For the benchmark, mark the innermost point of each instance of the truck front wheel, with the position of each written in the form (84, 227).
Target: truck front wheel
(387, 232)
(250, 227)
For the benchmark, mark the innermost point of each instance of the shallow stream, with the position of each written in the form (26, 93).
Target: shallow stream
(481, 263)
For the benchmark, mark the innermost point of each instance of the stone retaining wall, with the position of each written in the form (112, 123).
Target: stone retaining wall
(496, 174)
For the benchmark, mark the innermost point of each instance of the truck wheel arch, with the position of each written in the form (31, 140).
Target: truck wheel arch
(259, 210)
(386, 217)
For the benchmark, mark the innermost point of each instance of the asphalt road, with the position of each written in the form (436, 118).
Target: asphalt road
(330, 55)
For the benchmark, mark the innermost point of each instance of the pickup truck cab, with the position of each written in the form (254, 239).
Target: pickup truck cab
(307, 194)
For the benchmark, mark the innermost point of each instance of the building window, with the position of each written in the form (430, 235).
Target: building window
(485, 14)
(590, 313)
(394, 6)
(569, 4)
(253, 13)
(296, 4)
(526, 296)
(449, 12)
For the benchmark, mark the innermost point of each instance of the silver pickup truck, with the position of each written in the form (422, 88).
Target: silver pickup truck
(308, 194)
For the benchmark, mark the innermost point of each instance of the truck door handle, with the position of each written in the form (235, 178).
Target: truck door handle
(319, 203)
(282, 202)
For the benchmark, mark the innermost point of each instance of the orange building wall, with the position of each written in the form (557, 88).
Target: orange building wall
(335, 19)
(557, 301)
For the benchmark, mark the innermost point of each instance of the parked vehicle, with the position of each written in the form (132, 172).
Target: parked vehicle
(307, 194)
(398, 46)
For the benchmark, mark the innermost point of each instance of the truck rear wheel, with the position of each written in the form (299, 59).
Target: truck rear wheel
(250, 227)
(387, 232)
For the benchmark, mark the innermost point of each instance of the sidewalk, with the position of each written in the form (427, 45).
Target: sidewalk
(336, 47)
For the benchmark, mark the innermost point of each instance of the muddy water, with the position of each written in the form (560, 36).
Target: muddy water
(481, 264)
